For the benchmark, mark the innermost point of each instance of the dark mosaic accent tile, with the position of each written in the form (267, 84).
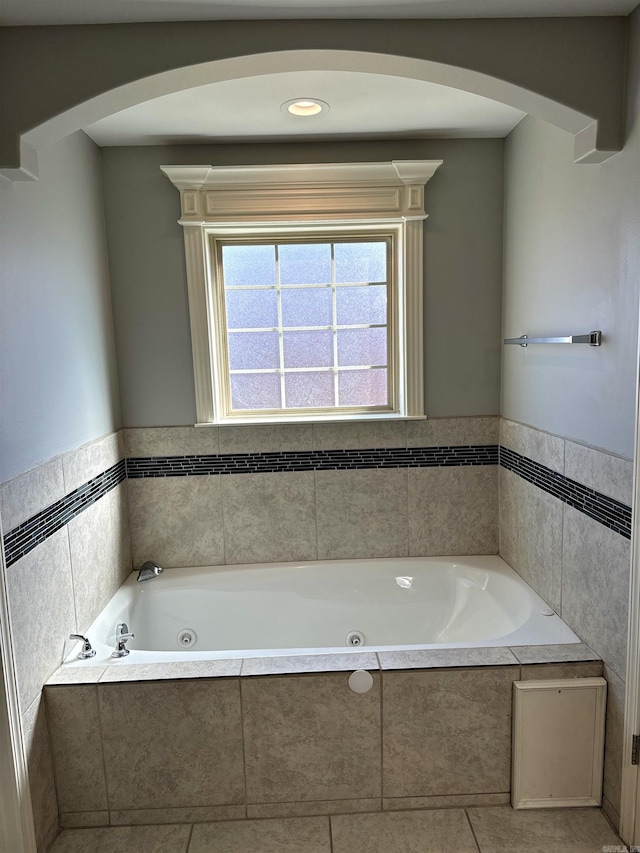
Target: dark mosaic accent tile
(601, 508)
(312, 460)
(32, 532)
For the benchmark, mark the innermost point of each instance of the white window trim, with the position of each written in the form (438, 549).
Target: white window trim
(236, 199)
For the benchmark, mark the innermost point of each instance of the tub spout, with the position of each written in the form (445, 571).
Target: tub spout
(148, 571)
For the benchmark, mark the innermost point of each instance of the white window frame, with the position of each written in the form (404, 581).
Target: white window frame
(307, 199)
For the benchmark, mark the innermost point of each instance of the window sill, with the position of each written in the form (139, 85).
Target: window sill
(309, 419)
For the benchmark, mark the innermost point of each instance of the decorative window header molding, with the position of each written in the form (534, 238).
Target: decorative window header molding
(313, 192)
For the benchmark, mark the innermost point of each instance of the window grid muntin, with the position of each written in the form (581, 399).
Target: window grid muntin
(270, 238)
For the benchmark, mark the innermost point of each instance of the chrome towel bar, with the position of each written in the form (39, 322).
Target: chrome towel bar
(594, 339)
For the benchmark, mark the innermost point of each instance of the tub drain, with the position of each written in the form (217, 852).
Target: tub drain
(355, 638)
(187, 638)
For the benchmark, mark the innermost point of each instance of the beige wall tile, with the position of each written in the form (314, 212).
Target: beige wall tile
(315, 807)
(91, 459)
(284, 835)
(77, 748)
(347, 436)
(285, 664)
(42, 612)
(561, 653)
(269, 517)
(172, 745)
(614, 739)
(41, 777)
(171, 441)
(362, 513)
(171, 670)
(540, 446)
(452, 432)
(30, 493)
(541, 672)
(503, 830)
(310, 738)
(453, 510)
(77, 820)
(403, 832)
(176, 521)
(137, 817)
(436, 723)
(440, 658)
(531, 535)
(595, 586)
(266, 438)
(601, 471)
(446, 802)
(124, 839)
(95, 554)
(119, 502)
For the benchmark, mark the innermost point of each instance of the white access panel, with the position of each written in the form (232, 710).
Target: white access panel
(558, 742)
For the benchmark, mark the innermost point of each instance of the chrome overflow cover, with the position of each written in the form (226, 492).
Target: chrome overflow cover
(355, 638)
(187, 637)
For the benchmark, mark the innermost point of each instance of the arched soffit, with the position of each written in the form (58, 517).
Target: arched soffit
(583, 127)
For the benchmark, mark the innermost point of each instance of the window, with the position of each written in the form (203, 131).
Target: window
(305, 289)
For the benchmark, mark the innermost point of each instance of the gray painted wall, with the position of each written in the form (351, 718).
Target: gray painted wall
(58, 381)
(572, 264)
(463, 259)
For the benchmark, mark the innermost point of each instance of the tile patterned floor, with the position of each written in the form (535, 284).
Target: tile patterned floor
(475, 830)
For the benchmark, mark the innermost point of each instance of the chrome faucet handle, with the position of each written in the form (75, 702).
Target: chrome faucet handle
(122, 636)
(86, 651)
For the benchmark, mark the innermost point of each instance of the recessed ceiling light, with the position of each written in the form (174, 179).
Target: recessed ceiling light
(305, 106)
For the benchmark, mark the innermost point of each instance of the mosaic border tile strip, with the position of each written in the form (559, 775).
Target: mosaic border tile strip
(608, 511)
(26, 536)
(311, 460)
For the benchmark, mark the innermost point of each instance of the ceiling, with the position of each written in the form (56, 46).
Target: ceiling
(360, 105)
(34, 12)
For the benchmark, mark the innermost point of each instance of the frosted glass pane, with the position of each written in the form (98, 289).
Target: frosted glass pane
(251, 309)
(360, 262)
(362, 388)
(255, 391)
(306, 390)
(251, 350)
(249, 265)
(362, 346)
(309, 306)
(308, 263)
(360, 305)
(308, 349)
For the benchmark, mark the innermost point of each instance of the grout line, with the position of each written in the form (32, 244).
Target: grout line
(186, 849)
(244, 757)
(473, 832)
(224, 532)
(104, 761)
(381, 740)
(315, 502)
(330, 834)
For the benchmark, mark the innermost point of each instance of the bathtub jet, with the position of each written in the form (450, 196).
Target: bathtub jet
(148, 571)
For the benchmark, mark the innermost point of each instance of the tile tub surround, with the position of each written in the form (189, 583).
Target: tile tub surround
(62, 570)
(297, 742)
(571, 544)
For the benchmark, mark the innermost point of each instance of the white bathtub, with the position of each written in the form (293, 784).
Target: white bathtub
(307, 608)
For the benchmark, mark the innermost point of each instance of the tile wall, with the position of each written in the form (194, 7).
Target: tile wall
(307, 492)
(78, 554)
(271, 737)
(576, 557)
